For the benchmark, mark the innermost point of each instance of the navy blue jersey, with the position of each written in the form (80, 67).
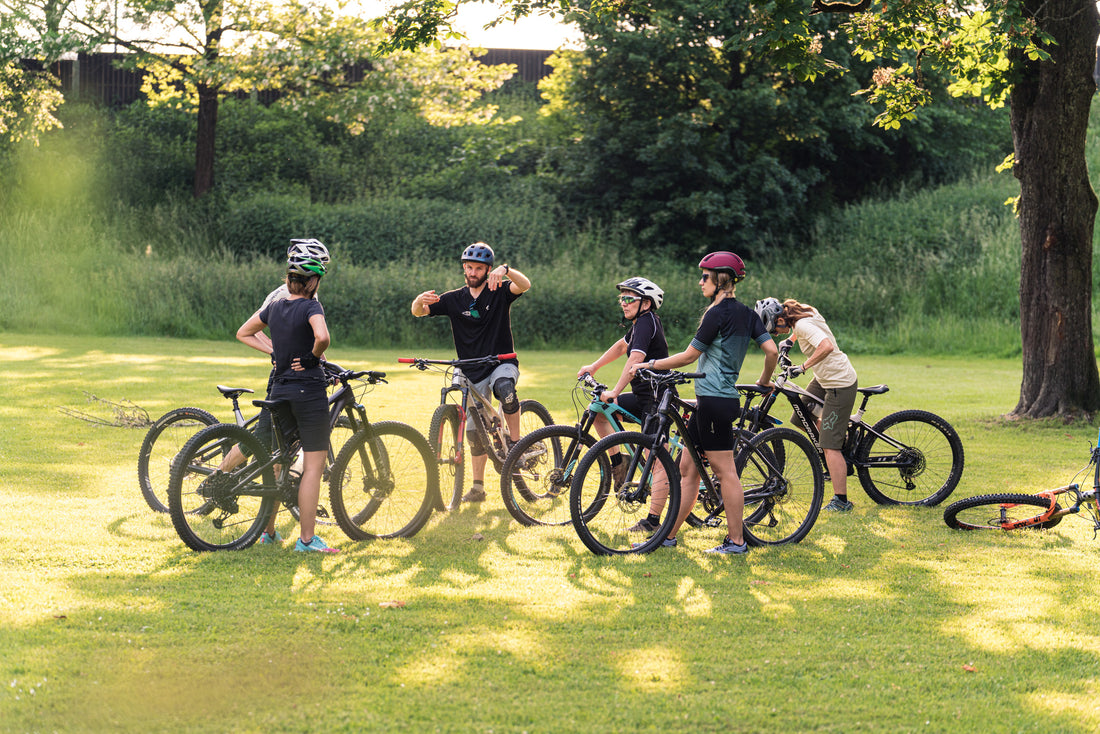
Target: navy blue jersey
(646, 335)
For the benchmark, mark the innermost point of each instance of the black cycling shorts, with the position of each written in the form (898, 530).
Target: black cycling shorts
(711, 425)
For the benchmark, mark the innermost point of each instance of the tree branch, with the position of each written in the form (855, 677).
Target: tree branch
(820, 6)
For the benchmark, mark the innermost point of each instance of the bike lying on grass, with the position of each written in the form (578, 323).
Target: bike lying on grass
(780, 474)
(535, 478)
(383, 483)
(1012, 511)
(171, 431)
(484, 424)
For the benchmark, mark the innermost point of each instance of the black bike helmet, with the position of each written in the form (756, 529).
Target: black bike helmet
(723, 261)
(479, 252)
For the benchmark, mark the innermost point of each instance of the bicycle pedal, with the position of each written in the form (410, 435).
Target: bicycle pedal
(322, 511)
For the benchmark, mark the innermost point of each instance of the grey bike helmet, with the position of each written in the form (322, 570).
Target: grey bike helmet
(644, 288)
(769, 310)
(479, 252)
(307, 257)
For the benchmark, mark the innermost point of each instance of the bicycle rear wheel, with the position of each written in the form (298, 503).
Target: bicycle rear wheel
(784, 486)
(162, 442)
(608, 519)
(920, 464)
(216, 510)
(383, 482)
(997, 511)
(444, 439)
(534, 482)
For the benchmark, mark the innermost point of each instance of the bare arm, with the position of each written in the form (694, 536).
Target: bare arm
(251, 333)
(421, 303)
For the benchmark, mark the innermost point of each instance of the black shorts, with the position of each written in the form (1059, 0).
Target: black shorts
(711, 425)
(309, 405)
(638, 406)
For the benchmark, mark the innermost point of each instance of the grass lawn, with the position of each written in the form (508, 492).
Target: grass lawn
(881, 620)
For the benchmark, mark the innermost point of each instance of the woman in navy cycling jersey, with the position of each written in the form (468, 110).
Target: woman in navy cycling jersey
(299, 337)
(725, 332)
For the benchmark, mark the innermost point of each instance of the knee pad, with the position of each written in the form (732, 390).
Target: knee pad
(505, 390)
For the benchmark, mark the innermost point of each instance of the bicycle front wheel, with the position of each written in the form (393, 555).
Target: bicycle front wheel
(610, 518)
(919, 462)
(383, 482)
(162, 442)
(534, 481)
(213, 509)
(784, 486)
(1000, 512)
(443, 435)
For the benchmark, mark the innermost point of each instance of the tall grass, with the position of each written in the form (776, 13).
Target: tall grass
(924, 271)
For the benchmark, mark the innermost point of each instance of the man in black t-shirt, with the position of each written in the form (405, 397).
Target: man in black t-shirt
(481, 326)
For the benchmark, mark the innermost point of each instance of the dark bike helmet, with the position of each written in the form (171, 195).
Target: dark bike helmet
(769, 310)
(479, 252)
(644, 288)
(723, 261)
(307, 257)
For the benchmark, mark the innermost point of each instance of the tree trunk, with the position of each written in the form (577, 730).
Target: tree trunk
(204, 139)
(1050, 110)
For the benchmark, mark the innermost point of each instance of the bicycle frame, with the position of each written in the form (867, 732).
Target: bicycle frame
(803, 402)
(489, 423)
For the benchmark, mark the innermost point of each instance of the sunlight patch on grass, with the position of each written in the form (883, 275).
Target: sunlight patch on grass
(832, 544)
(1084, 703)
(22, 354)
(454, 651)
(653, 670)
(692, 599)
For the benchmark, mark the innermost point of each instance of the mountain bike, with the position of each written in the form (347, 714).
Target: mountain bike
(484, 424)
(1012, 511)
(383, 483)
(782, 495)
(534, 481)
(170, 432)
(911, 457)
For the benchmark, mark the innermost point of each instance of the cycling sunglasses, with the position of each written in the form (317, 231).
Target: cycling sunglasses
(627, 300)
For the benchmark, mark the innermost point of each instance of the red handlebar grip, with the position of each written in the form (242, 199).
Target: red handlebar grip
(406, 360)
(511, 355)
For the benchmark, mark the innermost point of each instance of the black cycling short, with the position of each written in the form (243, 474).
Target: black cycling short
(309, 404)
(711, 425)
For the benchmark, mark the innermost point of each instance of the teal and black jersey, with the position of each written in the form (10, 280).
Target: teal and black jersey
(723, 337)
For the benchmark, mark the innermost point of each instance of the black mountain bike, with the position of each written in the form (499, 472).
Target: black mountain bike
(171, 431)
(478, 419)
(382, 484)
(911, 457)
(780, 474)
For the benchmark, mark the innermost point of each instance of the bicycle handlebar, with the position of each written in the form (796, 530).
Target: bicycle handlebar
(422, 364)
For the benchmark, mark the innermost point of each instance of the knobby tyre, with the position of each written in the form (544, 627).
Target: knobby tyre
(923, 470)
(997, 511)
(606, 517)
(534, 482)
(214, 510)
(784, 486)
(383, 482)
(443, 436)
(162, 442)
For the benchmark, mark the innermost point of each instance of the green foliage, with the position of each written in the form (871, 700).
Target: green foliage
(701, 137)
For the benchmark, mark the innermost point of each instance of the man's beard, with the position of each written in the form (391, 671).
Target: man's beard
(473, 281)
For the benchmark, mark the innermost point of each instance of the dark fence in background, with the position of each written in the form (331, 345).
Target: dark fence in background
(96, 78)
